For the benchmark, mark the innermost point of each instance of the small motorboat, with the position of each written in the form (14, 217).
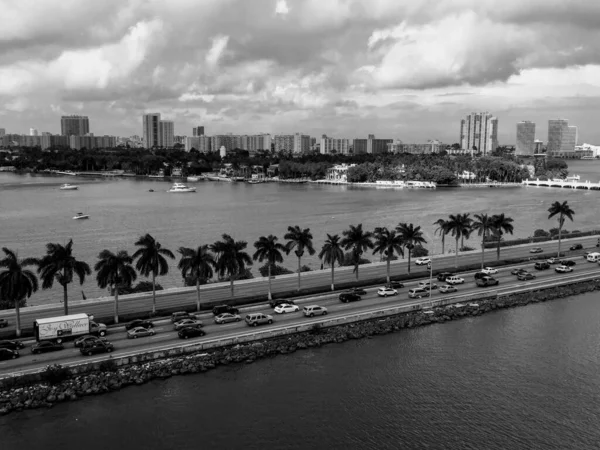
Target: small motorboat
(193, 179)
(69, 187)
(181, 188)
(150, 190)
(81, 216)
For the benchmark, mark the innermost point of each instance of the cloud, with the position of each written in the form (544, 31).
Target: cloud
(281, 8)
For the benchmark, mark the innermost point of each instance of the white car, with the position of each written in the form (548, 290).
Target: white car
(422, 261)
(489, 271)
(563, 269)
(286, 308)
(446, 288)
(552, 260)
(386, 292)
(425, 285)
(455, 280)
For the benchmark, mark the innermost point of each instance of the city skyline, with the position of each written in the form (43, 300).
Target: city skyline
(346, 69)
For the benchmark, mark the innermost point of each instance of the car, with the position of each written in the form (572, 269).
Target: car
(576, 247)
(346, 297)
(137, 332)
(314, 310)
(418, 293)
(489, 271)
(525, 276)
(357, 291)
(45, 346)
(536, 250)
(553, 260)
(187, 323)
(226, 318)
(3, 323)
(100, 346)
(541, 265)
(256, 319)
(425, 284)
(518, 271)
(479, 275)
(455, 280)
(139, 323)
(225, 309)
(487, 281)
(86, 340)
(5, 354)
(394, 285)
(447, 288)
(276, 303)
(422, 261)
(567, 262)
(443, 275)
(563, 269)
(386, 292)
(180, 315)
(12, 345)
(188, 332)
(286, 308)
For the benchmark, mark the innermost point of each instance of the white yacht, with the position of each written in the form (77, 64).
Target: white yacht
(193, 178)
(180, 187)
(69, 187)
(81, 216)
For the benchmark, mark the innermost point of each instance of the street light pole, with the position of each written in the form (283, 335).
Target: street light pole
(431, 270)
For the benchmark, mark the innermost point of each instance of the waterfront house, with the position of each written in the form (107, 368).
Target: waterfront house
(339, 172)
(273, 170)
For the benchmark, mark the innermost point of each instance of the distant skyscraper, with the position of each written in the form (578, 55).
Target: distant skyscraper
(562, 138)
(332, 145)
(284, 142)
(2, 131)
(74, 125)
(151, 125)
(167, 133)
(301, 143)
(33, 132)
(198, 131)
(479, 133)
(525, 138)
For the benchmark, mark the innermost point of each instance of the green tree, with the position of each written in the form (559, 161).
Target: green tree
(386, 243)
(300, 240)
(562, 210)
(16, 282)
(59, 264)
(458, 226)
(113, 270)
(411, 236)
(267, 248)
(484, 225)
(357, 240)
(332, 252)
(442, 229)
(151, 261)
(198, 264)
(231, 259)
(502, 225)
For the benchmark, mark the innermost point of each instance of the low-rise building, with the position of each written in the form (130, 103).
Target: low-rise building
(339, 172)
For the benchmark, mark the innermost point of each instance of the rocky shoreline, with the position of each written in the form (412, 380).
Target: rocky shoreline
(61, 385)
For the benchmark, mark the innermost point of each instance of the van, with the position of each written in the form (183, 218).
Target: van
(256, 319)
(593, 257)
(418, 293)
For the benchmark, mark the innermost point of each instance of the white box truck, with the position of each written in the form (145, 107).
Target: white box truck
(63, 328)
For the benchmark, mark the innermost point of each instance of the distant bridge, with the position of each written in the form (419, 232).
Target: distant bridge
(569, 184)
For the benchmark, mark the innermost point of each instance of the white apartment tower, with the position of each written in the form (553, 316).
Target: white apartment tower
(334, 145)
(525, 138)
(479, 133)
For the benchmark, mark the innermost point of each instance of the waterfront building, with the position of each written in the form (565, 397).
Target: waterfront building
(334, 145)
(74, 125)
(339, 172)
(151, 130)
(479, 133)
(167, 133)
(587, 151)
(562, 138)
(198, 131)
(284, 143)
(525, 138)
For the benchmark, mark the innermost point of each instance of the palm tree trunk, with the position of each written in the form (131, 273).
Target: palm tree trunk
(197, 293)
(356, 270)
(269, 273)
(443, 242)
(153, 294)
(116, 304)
(231, 284)
(482, 252)
(388, 269)
(498, 248)
(409, 252)
(65, 300)
(456, 255)
(18, 317)
(299, 258)
(559, 236)
(332, 275)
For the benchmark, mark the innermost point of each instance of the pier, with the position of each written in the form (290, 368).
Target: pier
(568, 184)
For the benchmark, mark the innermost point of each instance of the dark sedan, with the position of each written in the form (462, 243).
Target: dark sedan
(518, 271)
(8, 354)
(45, 347)
(347, 297)
(394, 285)
(189, 332)
(568, 262)
(100, 346)
(12, 345)
(525, 276)
(139, 323)
(357, 291)
(87, 340)
(576, 247)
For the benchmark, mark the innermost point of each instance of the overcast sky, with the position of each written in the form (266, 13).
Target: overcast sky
(395, 68)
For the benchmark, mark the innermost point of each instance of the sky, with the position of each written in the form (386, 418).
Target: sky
(346, 68)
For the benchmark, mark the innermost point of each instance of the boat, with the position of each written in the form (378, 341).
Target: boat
(193, 178)
(254, 181)
(81, 216)
(588, 157)
(68, 187)
(181, 188)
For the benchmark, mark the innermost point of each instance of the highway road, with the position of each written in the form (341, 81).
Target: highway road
(220, 292)
(167, 337)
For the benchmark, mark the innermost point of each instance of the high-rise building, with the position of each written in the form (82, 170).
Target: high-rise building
(167, 133)
(151, 132)
(332, 145)
(33, 132)
(562, 138)
(525, 138)
(301, 143)
(479, 133)
(359, 146)
(284, 143)
(375, 146)
(2, 131)
(198, 131)
(74, 125)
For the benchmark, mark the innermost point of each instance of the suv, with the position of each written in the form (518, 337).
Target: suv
(425, 285)
(314, 310)
(576, 247)
(346, 297)
(418, 293)
(442, 276)
(567, 262)
(256, 319)
(221, 309)
(394, 285)
(541, 265)
(180, 315)
(486, 281)
(99, 346)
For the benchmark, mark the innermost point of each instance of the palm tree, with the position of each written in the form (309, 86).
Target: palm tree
(484, 225)
(502, 224)
(411, 236)
(151, 261)
(197, 263)
(459, 226)
(357, 240)
(442, 230)
(469, 229)
(114, 270)
(16, 282)
(386, 243)
(267, 248)
(562, 210)
(231, 259)
(332, 252)
(59, 264)
(301, 240)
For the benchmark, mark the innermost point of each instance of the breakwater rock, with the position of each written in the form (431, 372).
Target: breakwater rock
(61, 385)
